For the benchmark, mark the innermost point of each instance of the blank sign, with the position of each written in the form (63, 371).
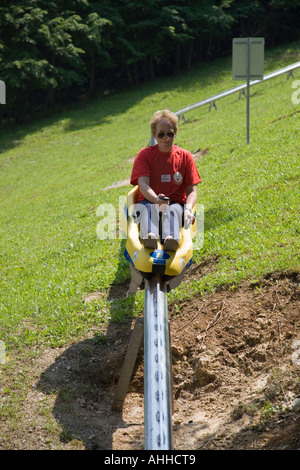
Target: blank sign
(241, 47)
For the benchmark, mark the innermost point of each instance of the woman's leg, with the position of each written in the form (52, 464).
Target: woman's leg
(148, 218)
(172, 222)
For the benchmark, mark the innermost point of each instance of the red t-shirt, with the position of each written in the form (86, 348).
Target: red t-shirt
(169, 173)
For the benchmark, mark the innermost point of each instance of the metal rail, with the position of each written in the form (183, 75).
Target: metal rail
(289, 69)
(157, 369)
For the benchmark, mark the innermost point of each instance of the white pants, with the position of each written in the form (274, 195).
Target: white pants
(149, 217)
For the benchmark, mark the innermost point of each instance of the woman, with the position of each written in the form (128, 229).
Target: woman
(164, 171)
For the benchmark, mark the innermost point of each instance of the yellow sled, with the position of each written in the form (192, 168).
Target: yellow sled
(147, 261)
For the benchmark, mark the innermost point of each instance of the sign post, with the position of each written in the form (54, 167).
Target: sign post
(248, 64)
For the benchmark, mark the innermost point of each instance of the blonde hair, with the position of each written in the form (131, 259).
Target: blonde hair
(164, 114)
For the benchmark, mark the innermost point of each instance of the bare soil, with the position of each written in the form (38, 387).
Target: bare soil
(236, 364)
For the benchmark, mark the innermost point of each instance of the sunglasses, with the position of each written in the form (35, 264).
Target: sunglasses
(161, 135)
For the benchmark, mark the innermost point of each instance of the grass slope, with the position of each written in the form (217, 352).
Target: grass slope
(53, 173)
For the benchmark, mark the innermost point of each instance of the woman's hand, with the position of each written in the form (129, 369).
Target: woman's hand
(191, 192)
(189, 217)
(163, 201)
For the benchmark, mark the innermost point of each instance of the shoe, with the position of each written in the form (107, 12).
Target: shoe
(150, 242)
(171, 244)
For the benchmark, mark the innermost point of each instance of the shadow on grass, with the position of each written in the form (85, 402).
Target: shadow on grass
(85, 375)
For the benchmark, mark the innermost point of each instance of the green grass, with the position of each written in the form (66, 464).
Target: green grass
(53, 172)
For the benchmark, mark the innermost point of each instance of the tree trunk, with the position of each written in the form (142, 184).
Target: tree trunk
(178, 54)
(49, 101)
(151, 65)
(92, 75)
(190, 54)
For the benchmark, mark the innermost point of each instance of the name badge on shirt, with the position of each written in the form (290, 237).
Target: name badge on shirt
(165, 178)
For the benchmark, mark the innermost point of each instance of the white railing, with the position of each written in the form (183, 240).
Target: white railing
(212, 100)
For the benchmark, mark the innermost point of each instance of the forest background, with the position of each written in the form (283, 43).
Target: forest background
(54, 52)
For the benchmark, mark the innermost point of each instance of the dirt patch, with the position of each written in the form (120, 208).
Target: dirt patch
(118, 184)
(199, 154)
(236, 363)
(285, 116)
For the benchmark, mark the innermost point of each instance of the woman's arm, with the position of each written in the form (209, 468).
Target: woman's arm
(191, 196)
(148, 192)
(191, 199)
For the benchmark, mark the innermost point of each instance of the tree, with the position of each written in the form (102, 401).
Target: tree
(23, 68)
(42, 48)
(48, 46)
